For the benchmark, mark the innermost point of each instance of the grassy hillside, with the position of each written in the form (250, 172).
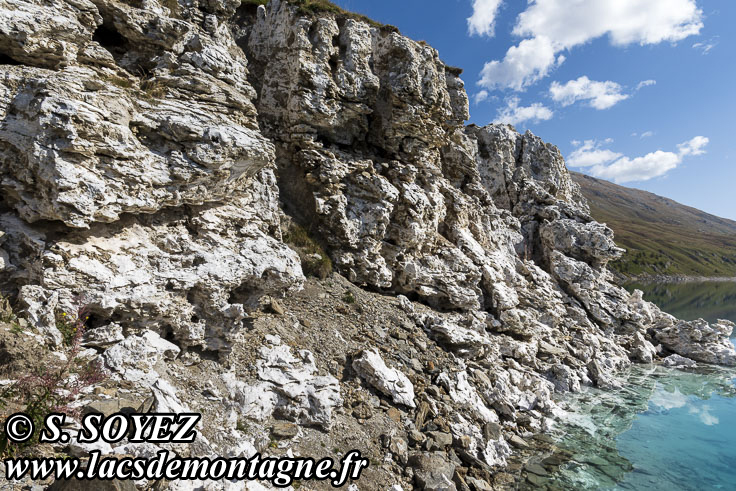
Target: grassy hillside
(661, 235)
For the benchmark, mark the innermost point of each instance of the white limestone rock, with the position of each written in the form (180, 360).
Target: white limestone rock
(136, 169)
(700, 341)
(103, 336)
(466, 342)
(389, 381)
(135, 358)
(176, 271)
(463, 394)
(81, 151)
(642, 350)
(46, 33)
(677, 361)
(290, 388)
(40, 306)
(496, 452)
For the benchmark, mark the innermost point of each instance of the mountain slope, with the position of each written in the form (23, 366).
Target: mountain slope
(661, 236)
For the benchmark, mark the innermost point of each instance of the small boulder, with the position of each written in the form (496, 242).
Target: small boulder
(284, 430)
(677, 361)
(103, 336)
(433, 471)
(391, 382)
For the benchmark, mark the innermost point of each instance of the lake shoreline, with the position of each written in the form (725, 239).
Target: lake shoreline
(622, 279)
(664, 428)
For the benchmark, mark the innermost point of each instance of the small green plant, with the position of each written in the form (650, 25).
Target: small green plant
(312, 7)
(70, 325)
(315, 261)
(348, 297)
(121, 82)
(153, 88)
(50, 387)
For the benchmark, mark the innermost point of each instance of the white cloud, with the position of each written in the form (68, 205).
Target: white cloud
(694, 146)
(523, 65)
(589, 154)
(516, 115)
(646, 134)
(645, 83)
(649, 166)
(616, 167)
(552, 26)
(572, 22)
(706, 46)
(480, 97)
(601, 95)
(483, 20)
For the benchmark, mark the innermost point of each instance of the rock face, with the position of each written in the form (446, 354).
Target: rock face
(149, 150)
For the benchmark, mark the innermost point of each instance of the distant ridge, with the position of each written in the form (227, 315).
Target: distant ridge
(662, 236)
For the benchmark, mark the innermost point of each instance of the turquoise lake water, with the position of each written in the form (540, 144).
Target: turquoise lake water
(667, 429)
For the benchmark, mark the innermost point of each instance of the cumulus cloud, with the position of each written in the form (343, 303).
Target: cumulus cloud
(523, 65)
(618, 168)
(694, 146)
(514, 114)
(552, 26)
(572, 22)
(600, 95)
(590, 154)
(483, 20)
(649, 166)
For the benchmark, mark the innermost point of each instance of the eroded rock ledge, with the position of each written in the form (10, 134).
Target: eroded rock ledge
(148, 153)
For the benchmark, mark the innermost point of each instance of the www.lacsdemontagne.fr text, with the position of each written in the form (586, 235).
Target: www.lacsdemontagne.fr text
(281, 471)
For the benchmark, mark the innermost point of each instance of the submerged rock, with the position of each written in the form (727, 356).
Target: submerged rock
(677, 361)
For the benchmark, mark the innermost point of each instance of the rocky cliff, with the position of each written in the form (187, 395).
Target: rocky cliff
(153, 156)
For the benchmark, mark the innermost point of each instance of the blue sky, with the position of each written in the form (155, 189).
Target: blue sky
(639, 92)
